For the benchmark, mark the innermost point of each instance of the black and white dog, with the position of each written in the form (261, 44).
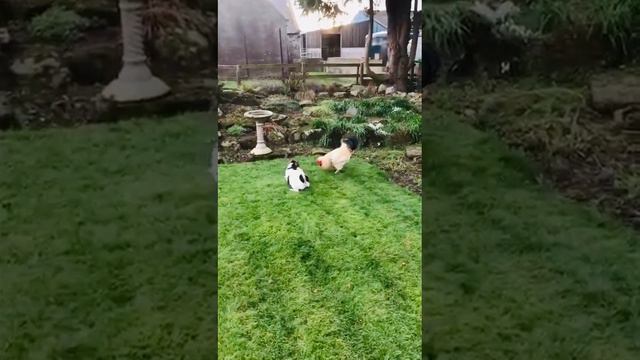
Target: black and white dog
(296, 179)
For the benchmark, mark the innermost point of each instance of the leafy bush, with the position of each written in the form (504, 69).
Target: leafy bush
(445, 25)
(293, 84)
(333, 129)
(378, 107)
(398, 113)
(404, 121)
(58, 24)
(236, 130)
(162, 15)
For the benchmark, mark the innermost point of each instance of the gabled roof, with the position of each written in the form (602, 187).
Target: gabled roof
(380, 17)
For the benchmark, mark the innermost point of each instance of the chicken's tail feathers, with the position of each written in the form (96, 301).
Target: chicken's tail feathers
(352, 142)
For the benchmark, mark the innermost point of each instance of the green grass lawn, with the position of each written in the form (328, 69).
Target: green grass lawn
(332, 273)
(512, 269)
(107, 241)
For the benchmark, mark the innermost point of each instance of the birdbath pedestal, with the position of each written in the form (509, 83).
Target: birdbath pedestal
(260, 116)
(135, 82)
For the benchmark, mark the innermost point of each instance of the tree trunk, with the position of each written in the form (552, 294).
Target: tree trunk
(399, 19)
(417, 24)
(369, 39)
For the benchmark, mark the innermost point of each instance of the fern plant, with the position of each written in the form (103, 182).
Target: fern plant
(58, 24)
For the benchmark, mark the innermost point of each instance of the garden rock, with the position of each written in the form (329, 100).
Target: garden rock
(616, 90)
(280, 104)
(399, 139)
(6, 112)
(5, 38)
(351, 112)
(247, 141)
(236, 118)
(389, 90)
(323, 95)
(181, 48)
(275, 137)
(239, 98)
(91, 63)
(311, 134)
(7, 78)
(382, 89)
(305, 95)
(470, 113)
(230, 144)
(413, 151)
(415, 99)
(340, 94)
(295, 136)
(278, 118)
(29, 67)
(357, 90)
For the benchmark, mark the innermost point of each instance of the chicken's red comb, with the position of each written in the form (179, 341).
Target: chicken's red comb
(319, 162)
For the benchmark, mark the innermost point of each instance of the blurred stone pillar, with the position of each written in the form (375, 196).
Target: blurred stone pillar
(135, 81)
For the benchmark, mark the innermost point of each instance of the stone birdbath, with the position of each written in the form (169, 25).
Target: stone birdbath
(135, 81)
(260, 116)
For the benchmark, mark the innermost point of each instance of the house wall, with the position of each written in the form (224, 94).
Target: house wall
(351, 36)
(294, 44)
(353, 52)
(258, 30)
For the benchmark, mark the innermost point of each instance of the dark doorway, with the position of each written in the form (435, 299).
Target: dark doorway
(330, 45)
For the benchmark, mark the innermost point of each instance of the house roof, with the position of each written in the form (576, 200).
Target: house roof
(285, 10)
(380, 17)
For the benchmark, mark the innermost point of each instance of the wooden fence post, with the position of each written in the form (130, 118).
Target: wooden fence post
(238, 75)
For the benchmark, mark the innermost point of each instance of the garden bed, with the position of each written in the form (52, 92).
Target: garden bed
(588, 155)
(310, 123)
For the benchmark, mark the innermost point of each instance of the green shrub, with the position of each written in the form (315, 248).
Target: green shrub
(236, 130)
(333, 129)
(399, 117)
(404, 121)
(445, 25)
(58, 24)
(378, 107)
(398, 113)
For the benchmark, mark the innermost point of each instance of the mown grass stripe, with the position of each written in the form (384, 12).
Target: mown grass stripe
(513, 270)
(329, 259)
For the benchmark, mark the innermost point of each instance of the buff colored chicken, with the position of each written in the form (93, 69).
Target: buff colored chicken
(336, 159)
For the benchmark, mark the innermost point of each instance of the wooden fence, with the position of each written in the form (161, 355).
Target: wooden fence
(318, 69)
